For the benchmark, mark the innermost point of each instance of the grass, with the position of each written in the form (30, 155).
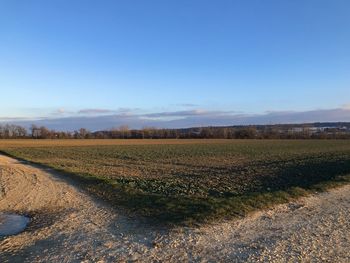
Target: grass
(194, 181)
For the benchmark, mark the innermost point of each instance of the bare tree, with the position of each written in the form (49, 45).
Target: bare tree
(124, 131)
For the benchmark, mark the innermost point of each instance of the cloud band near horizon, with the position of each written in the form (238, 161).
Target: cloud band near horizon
(101, 119)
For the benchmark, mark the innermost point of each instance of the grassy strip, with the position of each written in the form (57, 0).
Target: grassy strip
(189, 210)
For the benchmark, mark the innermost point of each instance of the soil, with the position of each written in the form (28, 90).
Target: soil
(67, 225)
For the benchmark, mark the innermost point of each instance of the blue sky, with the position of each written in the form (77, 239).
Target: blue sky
(81, 58)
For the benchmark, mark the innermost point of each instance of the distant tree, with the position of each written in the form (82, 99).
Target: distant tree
(124, 131)
(84, 133)
(206, 133)
(45, 133)
(148, 132)
(35, 131)
(246, 133)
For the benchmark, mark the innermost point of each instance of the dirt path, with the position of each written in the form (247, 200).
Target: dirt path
(70, 226)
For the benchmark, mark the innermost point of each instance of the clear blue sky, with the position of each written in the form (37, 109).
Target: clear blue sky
(245, 56)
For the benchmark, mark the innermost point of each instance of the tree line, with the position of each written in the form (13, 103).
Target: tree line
(305, 131)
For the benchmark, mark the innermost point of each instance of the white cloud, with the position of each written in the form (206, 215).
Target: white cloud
(94, 111)
(106, 119)
(346, 106)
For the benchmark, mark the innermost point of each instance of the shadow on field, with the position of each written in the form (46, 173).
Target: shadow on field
(289, 181)
(307, 175)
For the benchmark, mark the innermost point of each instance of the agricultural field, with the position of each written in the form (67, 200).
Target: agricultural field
(193, 181)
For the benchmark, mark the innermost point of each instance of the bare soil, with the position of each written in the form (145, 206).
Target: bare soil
(14, 143)
(70, 226)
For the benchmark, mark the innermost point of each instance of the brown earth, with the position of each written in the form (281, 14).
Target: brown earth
(12, 143)
(70, 226)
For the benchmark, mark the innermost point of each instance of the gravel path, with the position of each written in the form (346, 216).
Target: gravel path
(70, 226)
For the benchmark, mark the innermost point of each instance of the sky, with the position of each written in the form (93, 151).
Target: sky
(174, 63)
